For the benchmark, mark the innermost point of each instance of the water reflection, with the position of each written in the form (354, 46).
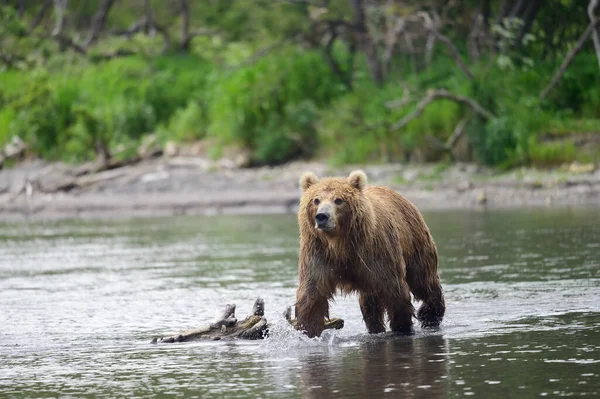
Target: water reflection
(402, 367)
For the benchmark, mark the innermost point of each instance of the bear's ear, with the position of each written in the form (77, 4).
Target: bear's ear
(358, 179)
(307, 180)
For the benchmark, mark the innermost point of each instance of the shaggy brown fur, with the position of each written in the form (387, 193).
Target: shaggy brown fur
(370, 240)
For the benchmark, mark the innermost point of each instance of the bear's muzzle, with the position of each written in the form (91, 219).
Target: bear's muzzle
(323, 219)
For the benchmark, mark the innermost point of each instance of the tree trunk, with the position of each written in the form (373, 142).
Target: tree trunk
(366, 43)
(505, 8)
(594, 14)
(486, 10)
(518, 8)
(21, 8)
(344, 76)
(60, 7)
(474, 38)
(98, 22)
(40, 15)
(186, 38)
(528, 17)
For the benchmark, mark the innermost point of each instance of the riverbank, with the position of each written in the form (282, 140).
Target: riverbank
(193, 185)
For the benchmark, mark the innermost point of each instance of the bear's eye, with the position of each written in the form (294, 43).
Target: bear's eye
(339, 201)
(316, 201)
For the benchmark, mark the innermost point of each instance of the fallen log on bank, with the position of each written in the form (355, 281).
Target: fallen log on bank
(227, 326)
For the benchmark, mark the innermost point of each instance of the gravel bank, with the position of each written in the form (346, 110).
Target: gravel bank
(176, 186)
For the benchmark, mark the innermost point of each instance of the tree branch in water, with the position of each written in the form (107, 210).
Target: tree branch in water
(227, 326)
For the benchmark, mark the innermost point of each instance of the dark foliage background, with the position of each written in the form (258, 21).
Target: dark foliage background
(338, 79)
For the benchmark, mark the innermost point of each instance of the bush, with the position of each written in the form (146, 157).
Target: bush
(39, 113)
(269, 106)
(358, 126)
(497, 143)
(185, 124)
(62, 113)
(288, 136)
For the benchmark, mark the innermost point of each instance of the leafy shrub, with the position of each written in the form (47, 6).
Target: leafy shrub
(358, 127)
(39, 113)
(354, 128)
(578, 91)
(62, 113)
(186, 124)
(256, 101)
(176, 79)
(496, 142)
(288, 136)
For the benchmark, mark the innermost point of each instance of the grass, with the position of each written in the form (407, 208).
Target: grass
(567, 127)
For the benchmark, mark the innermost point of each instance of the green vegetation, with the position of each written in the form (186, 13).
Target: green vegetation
(270, 77)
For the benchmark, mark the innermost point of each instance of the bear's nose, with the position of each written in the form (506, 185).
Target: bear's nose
(322, 217)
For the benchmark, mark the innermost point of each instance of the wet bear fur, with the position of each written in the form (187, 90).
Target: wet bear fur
(365, 239)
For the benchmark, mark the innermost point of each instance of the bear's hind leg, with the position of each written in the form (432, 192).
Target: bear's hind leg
(372, 312)
(424, 282)
(400, 311)
(432, 310)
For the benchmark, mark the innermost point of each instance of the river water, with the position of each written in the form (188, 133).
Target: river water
(81, 300)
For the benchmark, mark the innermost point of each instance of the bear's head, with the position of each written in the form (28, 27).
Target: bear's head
(331, 205)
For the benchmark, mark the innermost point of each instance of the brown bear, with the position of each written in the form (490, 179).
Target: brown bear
(365, 239)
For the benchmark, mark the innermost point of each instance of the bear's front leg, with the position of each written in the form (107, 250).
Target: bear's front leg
(311, 309)
(401, 311)
(372, 311)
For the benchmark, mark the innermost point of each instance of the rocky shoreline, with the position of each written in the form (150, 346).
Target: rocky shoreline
(195, 185)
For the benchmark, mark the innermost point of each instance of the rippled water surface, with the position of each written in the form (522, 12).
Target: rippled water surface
(80, 302)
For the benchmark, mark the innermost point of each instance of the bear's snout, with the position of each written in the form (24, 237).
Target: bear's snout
(323, 219)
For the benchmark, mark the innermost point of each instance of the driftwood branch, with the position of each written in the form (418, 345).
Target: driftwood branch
(227, 326)
(569, 58)
(433, 95)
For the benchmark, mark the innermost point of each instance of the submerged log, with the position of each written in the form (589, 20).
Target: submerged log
(228, 327)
